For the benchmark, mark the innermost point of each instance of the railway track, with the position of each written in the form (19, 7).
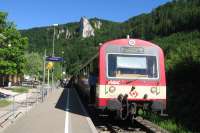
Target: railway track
(141, 126)
(106, 124)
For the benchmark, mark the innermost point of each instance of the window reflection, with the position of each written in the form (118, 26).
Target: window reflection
(132, 66)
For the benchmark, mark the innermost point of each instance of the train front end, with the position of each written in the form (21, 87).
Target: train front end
(131, 76)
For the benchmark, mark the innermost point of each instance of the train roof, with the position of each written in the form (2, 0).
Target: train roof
(137, 42)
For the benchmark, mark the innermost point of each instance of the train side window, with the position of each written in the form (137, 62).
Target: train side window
(112, 65)
(152, 67)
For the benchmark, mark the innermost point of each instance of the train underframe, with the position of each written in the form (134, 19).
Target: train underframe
(122, 108)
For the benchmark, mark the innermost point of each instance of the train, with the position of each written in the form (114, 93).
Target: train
(125, 75)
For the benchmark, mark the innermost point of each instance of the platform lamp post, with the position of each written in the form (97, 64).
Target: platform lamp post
(53, 54)
(54, 33)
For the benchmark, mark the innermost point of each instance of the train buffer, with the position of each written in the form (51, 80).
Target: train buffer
(61, 112)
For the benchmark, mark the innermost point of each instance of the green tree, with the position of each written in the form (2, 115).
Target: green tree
(34, 64)
(12, 47)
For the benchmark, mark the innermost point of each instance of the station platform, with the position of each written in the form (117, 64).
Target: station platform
(61, 112)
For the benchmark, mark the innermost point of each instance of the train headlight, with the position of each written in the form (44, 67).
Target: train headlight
(112, 89)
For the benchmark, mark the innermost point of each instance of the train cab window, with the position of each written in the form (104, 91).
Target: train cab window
(132, 66)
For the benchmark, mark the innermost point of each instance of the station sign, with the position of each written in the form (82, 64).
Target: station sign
(54, 59)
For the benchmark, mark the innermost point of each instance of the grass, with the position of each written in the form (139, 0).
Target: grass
(166, 123)
(4, 103)
(21, 90)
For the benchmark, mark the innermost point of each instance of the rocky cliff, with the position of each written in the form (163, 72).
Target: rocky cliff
(86, 28)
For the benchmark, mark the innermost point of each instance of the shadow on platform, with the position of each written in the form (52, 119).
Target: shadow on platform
(74, 105)
(62, 101)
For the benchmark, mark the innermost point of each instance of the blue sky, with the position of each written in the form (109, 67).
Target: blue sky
(36, 13)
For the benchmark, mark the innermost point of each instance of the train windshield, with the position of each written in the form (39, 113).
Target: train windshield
(132, 66)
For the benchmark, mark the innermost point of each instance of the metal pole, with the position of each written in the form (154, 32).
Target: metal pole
(13, 107)
(53, 55)
(53, 48)
(42, 94)
(3, 81)
(44, 70)
(48, 77)
(53, 41)
(26, 102)
(62, 64)
(61, 70)
(52, 77)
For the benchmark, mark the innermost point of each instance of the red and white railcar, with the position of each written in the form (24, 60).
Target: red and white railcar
(130, 73)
